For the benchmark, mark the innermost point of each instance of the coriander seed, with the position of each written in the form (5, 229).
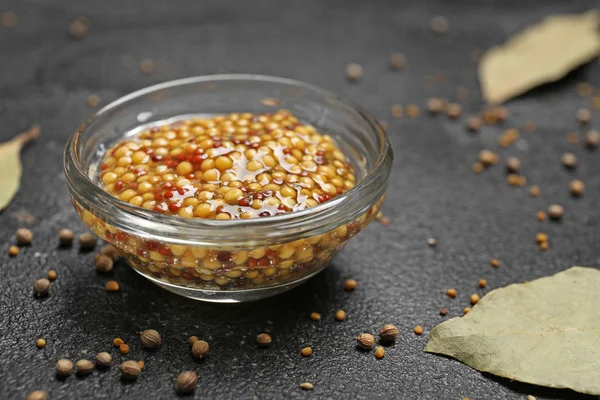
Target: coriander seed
(41, 287)
(488, 158)
(577, 187)
(24, 236)
(556, 211)
(263, 340)
(431, 242)
(200, 349)
(307, 386)
(569, 160)
(87, 241)
(365, 341)
(13, 251)
(584, 116)
(193, 339)
(379, 352)
(388, 333)
(443, 311)
(435, 105)
(494, 262)
(482, 283)
(350, 284)
(340, 315)
(124, 349)
(40, 343)
(103, 359)
(110, 251)
(513, 164)
(418, 330)
(130, 370)
(354, 71)
(37, 395)
(397, 60)
(315, 316)
(592, 139)
(474, 124)
(103, 263)
(474, 298)
(306, 352)
(150, 338)
(454, 110)
(112, 286)
(84, 367)
(65, 237)
(64, 367)
(187, 381)
(451, 293)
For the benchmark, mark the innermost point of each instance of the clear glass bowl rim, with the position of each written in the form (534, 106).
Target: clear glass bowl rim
(289, 226)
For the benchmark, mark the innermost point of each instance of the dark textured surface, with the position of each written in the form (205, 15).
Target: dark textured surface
(45, 78)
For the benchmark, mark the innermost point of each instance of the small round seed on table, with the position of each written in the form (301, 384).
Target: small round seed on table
(24, 236)
(340, 315)
(130, 369)
(37, 395)
(150, 339)
(263, 340)
(41, 287)
(306, 351)
(103, 359)
(365, 341)
(40, 343)
(388, 333)
(187, 381)
(350, 285)
(65, 237)
(379, 352)
(87, 241)
(200, 349)
(64, 367)
(84, 367)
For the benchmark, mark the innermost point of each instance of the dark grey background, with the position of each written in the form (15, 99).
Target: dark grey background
(46, 78)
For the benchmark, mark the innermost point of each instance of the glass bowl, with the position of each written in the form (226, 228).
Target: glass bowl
(230, 260)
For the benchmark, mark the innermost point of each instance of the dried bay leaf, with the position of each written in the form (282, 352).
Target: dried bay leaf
(10, 165)
(545, 332)
(542, 53)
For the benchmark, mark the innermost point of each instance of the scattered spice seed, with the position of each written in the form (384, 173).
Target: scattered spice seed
(540, 215)
(263, 340)
(388, 333)
(474, 124)
(130, 369)
(117, 342)
(187, 381)
(488, 158)
(443, 311)
(466, 310)
(87, 241)
(529, 127)
(111, 251)
(534, 191)
(572, 138)
(37, 395)
(340, 315)
(451, 293)
(354, 71)
(379, 352)
(385, 221)
(508, 137)
(41, 287)
(584, 89)
(24, 236)
(307, 386)
(93, 100)
(569, 160)
(474, 298)
(78, 28)
(315, 316)
(270, 102)
(365, 341)
(513, 164)
(435, 105)
(592, 139)
(103, 263)
(541, 237)
(418, 330)
(142, 364)
(482, 283)
(112, 286)
(147, 66)
(439, 24)
(584, 116)
(65, 237)
(412, 111)
(544, 246)
(431, 242)
(103, 359)
(13, 251)
(577, 187)
(454, 110)
(397, 111)
(478, 167)
(462, 93)
(150, 339)
(64, 367)
(193, 339)
(350, 284)
(124, 349)
(306, 352)
(40, 343)
(8, 19)
(397, 60)
(556, 211)
(200, 348)
(516, 180)
(84, 367)
(494, 262)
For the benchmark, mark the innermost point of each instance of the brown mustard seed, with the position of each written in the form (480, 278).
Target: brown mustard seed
(494, 262)
(591, 139)
(64, 367)
(340, 315)
(466, 310)
(513, 164)
(93, 100)
(200, 349)
(397, 111)
(52, 275)
(40, 343)
(41, 287)
(37, 395)
(482, 283)
(13, 251)
(117, 342)
(379, 352)
(556, 211)
(534, 191)
(397, 60)
(572, 138)
(193, 339)
(141, 364)
(454, 110)
(584, 89)
(147, 66)
(354, 71)
(478, 167)
(65, 237)
(306, 352)
(130, 369)
(24, 237)
(350, 284)
(418, 330)
(541, 237)
(516, 180)
(112, 286)
(124, 348)
(439, 24)
(584, 116)
(488, 158)
(431, 242)
(150, 339)
(385, 221)
(315, 316)
(435, 105)
(388, 333)
(569, 160)
(443, 311)
(365, 341)
(87, 241)
(576, 187)
(103, 263)
(412, 111)
(544, 246)
(103, 359)
(187, 382)
(84, 367)
(110, 251)
(78, 28)
(474, 298)
(263, 340)
(540, 215)
(307, 386)
(451, 293)
(474, 124)
(508, 137)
